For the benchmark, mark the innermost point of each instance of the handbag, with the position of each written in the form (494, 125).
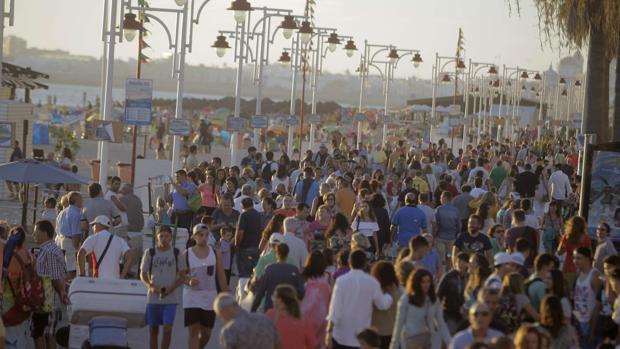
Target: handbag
(194, 202)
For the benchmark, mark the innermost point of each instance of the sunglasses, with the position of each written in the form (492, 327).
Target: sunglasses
(601, 229)
(481, 313)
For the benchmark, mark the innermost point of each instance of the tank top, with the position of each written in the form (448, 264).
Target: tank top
(585, 299)
(204, 269)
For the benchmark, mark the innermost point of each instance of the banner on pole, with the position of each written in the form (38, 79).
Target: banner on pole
(138, 101)
(259, 121)
(314, 119)
(235, 124)
(178, 127)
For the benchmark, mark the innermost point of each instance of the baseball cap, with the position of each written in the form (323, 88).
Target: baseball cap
(200, 227)
(502, 258)
(517, 258)
(103, 220)
(276, 238)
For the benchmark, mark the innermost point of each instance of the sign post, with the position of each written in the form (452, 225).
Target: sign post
(138, 107)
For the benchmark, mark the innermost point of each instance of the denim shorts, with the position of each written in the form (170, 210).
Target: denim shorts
(160, 314)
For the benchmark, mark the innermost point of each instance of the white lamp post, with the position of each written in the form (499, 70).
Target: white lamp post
(369, 59)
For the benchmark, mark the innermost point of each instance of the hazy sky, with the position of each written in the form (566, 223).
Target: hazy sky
(492, 34)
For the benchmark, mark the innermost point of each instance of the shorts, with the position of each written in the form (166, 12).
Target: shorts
(160, 314)
(206, 318)
(45, 324)
(66, 244)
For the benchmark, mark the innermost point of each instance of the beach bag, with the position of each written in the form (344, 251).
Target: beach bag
(194, 202)
(30, 296)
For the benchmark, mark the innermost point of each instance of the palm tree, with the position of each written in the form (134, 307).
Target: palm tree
(595, 23)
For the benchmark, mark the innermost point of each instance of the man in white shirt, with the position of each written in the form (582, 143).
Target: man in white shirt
(105, 251)
(113, 195)
(298, 251)
(350, 309)
(559, 184)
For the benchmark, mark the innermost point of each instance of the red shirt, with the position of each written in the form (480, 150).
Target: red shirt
(294, 333)
(569, 247)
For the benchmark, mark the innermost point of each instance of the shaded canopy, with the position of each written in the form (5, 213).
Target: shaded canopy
(33, 171)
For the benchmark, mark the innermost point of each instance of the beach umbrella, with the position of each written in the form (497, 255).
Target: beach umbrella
(30, 171)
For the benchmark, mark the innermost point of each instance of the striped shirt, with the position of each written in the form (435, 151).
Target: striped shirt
(51, 261)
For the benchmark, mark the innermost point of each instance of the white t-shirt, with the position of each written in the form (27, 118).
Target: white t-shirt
(108, 196)
(109, 267)
(367, 229)
(201, 295)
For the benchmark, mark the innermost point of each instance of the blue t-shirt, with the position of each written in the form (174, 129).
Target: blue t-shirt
(431, 262)
(179, 202)
(409, 220)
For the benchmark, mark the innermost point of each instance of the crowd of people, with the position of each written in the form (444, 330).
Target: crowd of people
(410, 245)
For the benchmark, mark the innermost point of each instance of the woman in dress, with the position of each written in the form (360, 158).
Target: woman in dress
(315, 304)
(552, 226)
(574, 236)
(294, 331)
(419, 316)
(364, 221)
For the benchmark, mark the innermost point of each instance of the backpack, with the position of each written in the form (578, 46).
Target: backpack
(28, 297)
(530, 282)
(508, 313)
(266, 172)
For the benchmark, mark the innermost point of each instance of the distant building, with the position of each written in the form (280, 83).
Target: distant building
(14, 46)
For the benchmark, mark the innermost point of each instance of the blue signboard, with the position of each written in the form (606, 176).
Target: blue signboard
(292, 121)
(236, 124)
(259, 121)
(138, 101)
(314, 119)
(178, 127)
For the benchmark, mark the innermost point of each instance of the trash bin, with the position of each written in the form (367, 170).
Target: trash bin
(94, 170)
(124, 171)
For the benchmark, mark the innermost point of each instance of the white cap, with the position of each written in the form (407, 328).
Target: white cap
(103, 220)
(276, 238)
(518, 258)
(502, 258)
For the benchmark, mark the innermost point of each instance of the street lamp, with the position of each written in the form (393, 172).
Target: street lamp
(285, 58)
(288, 26)
(446, 79)
(241, 8)
(417, 60)
(460, 66)
(393, 56)
(180, 2)
(350, 48)
(492, 71)
(367, 60)
(305, 32)
(130, 26)
(333, 42)
(221, 45)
